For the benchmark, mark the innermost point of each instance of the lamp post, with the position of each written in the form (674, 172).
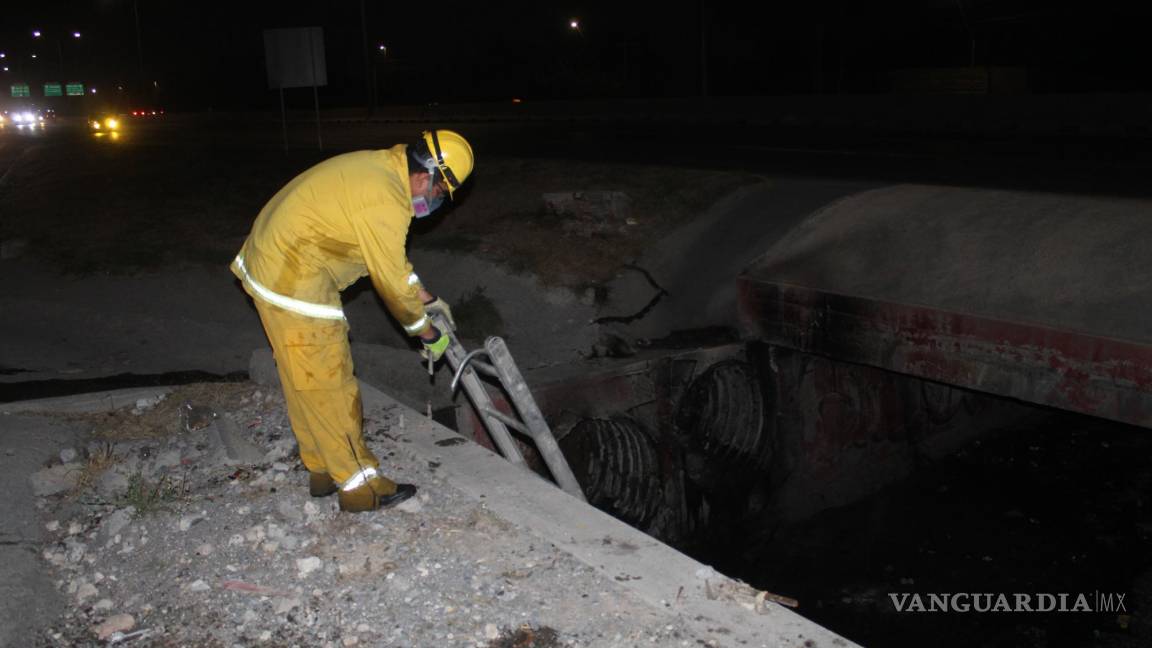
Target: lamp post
(574, 25)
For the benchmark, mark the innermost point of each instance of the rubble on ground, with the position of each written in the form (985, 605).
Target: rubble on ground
(186, 537)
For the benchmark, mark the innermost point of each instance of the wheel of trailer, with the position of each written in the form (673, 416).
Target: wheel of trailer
(722, 413)
(616, 464)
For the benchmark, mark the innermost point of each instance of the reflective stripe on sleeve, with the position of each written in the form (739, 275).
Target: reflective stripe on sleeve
(413, 279)
(417, 326)
(300, 307)
(359, 479)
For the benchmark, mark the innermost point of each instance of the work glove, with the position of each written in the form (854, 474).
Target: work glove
(439, 306)
(435, 347)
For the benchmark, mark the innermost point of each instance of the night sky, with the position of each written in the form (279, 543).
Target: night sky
(210, 54)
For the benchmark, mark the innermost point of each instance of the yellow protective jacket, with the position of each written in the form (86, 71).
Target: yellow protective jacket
(340, 220)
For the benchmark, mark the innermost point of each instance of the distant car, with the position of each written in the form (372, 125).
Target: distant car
(105, 123)
(147, 112)
(25, 118)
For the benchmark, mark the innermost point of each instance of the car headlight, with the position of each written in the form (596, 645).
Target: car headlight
(95, 124)
(112, 123)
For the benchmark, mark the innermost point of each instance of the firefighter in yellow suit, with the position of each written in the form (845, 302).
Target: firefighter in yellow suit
(340, 220)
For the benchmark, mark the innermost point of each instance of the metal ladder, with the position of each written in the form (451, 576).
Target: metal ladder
(502, 367)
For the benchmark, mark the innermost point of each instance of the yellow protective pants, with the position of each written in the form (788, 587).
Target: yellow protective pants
(314, 361)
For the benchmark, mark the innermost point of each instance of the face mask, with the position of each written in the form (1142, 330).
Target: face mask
(423, 207)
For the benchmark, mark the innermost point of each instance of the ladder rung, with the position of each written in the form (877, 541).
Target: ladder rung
(510, 421)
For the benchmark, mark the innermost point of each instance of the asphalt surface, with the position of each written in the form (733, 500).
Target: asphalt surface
(92, 329)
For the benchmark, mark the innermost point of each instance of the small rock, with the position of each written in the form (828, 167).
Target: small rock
(103, 604)
(411, 505)
(85, 591)
(280, 449)
(53, 526)
(187, 521)
(112, 483)
(68, 455)
(250, 616)
(284, 604)
(199, 586)
(491, 631)
(233, 444)
(307, 565)
(707, 573)
(114, 624)
(205, 549)
(54, 480)
(280, 466)
(311, 510)
(289, 511)
(145, 404)
(350, 640)
(112, 525)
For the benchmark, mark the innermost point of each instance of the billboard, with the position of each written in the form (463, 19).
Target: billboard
(294, 58)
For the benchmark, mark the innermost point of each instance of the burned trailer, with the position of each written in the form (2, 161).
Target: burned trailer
(930, 314)
(883, 331)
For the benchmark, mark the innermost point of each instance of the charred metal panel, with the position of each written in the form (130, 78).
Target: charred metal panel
(844, 431)
(1074, 371)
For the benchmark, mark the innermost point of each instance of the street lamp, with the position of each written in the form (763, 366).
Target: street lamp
(36, 33)
(574, 25)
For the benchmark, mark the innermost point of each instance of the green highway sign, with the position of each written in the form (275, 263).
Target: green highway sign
(21, 90)
(75, 89)
(53, 90)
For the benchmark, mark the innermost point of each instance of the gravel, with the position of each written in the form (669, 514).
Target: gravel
(203, 551)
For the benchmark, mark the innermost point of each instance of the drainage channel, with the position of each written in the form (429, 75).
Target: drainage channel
(34, 389)
(857, 492)
(1053, 508)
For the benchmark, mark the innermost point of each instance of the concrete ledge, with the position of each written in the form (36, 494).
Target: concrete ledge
(658, 574)
(104, 401)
